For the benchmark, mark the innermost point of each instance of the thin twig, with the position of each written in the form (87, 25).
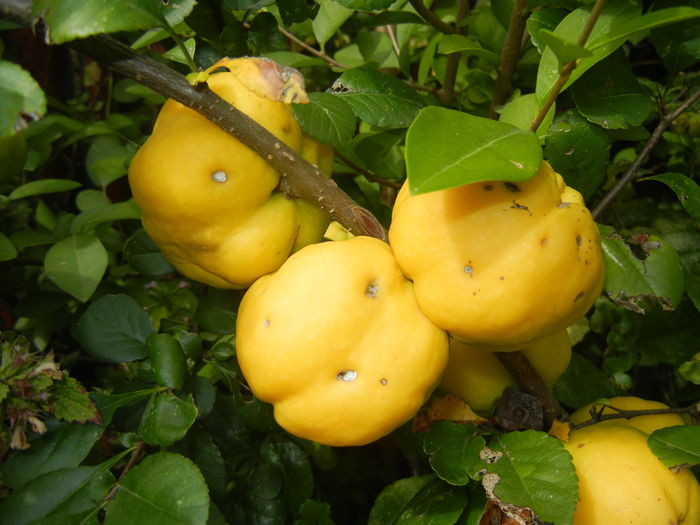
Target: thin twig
(567, 68)
(632, 172)
(510, 54)
(135, 455)
(368, 174)
(312, 50)
(431, 18)
(597, 415)
(447, 93)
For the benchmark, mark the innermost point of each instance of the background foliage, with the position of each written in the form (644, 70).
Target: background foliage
(152, 400)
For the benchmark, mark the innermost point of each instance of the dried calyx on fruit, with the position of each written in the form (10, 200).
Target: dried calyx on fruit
(499, 264)
(211, 204)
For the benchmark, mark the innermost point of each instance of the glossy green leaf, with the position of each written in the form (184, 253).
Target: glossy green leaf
(629, 280)
(8, 251)
(199, 446)
(677, 44)
(453, 450)
(564, 50)
(76, 264)
(168, 360)
(365, 5)
(111, 337)
(609, 94)
(521, 112)
(545, 18)
(108, 404)
(216, 312)
(107, 160)
(164, 489)
(424, 500)
(465, 45)
(43, 186)
(377, 98)
(685, 188)
(297, 478)
(676, 446)
(447, 148)
(71, 19)
(329, 18)
(65, 492)
(167, 419)
(669, 337)
(144, 256)
(63, 446)
(578, 150)
(20, 97)
(110, 213)
(532, 469)
(327, 118)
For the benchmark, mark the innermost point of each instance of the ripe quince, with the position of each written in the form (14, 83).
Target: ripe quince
(479, 378)
(622, 481)
(335, 340)
(211, 204)
(646, 424)
(499, 264)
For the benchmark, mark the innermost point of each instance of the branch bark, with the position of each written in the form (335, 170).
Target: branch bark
(301, 178)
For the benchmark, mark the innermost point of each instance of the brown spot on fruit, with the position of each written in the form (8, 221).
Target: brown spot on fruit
(578, 240)
(512, 187)
(544, 241)
(383, 381)
(372, 290)
(579, 296)
(488, 187)
(346, 375)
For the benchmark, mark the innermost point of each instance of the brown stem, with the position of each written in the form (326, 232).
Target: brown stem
(568, 67)
(305, 180)
(431, 18)
(135, 455)
(510, 55)
(597, 414)
(632, 172)
(311, 50)
(531, 382)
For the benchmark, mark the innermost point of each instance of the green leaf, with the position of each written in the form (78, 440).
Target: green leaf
(164, 489)
(578, 150)
(685, 188)
(110, 213)
(447, 148)
(676, 446)
(532, 469)
(216, 311)
(70, 491)
(522, 110)
(7, 248)
(629, 280)
(327, 118)
(115, 338)
(328, 20)
(71, 19)
(365, 5)
(108, 404)
(167, 359)
(465, 45)
(544, 18)
(76, 264)
(564, 50)
(63, 446)
(107, 160)
(424, 500)
(167, 419)
(581, 383)
(297, 478)
(678, 44)
(144, 256)
(453, 451)
(20, 98)
(377, 98)
(314, 512)
(41, 187)
(609, 94)
(72, 402)
(199, 446)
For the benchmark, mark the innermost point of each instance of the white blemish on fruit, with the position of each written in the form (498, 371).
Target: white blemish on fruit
(346, 375)
(219, 176)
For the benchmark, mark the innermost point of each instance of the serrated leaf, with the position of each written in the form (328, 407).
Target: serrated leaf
(63, 446)
(167, 419)
(163, 489)
(564, 50)
(424, 500)
(71, 19)
(70, 491)
(21, 98)
(676, 446)
(447, 148)
(107, 160)
(578, 150)
(115, 338)
(628, 279)
(377, 98)
(72, 402)
(327, 118)
(199, 446)
(118, 211)
(76, 265)
(453, 451)
(41, 187)
(533, 470)
(685, 188)
(609, 94)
